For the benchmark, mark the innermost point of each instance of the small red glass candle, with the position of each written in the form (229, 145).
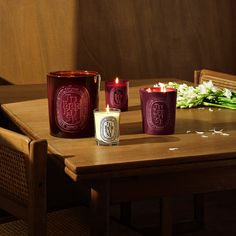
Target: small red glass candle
(116, 94)
(72, 97)
(158, 107)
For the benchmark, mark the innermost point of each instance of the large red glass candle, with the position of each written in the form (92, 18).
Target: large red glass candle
(116, 94)
(158, 107)
(72, 97)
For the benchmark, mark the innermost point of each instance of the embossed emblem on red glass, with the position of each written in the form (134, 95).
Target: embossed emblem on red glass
(72, 108)
(158, 114)
(116, 94)
(117, 97)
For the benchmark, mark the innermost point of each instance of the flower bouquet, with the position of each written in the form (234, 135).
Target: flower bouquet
(205, 94)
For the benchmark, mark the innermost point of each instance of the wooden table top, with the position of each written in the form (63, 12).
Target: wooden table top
(194, 140)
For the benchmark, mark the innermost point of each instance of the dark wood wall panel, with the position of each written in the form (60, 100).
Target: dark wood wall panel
(36, 36)
(128, 38)
(149, 38)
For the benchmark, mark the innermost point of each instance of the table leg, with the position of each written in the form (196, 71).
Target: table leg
(166, 216)
(100, 207)
(199, 210)
(125, 213)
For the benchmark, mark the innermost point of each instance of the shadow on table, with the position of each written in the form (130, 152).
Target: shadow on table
(134, 108)
(148, 139)
(131, 128)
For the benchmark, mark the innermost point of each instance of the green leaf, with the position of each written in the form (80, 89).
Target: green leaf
(205, 94)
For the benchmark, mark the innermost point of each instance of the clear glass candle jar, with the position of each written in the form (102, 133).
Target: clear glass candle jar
(107, 126)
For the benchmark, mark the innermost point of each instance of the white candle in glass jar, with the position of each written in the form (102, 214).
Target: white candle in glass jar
(107, 124)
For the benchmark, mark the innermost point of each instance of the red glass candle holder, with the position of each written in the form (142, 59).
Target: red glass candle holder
(72, 97)
(158, 110)
(116, 94)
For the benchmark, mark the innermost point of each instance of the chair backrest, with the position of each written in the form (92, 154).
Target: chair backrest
(221, 80)
(23, 179)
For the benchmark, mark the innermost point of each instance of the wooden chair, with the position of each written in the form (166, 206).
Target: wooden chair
(221, 80)
(23, 193)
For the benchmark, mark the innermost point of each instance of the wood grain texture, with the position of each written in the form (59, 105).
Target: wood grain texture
(129, 38)
(149, 38)
(137, 152)
(35, 38)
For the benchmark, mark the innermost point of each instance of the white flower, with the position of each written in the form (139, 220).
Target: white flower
(208, 84)
(227, 93)
(204, 94)
(202, 88)
(207, 87)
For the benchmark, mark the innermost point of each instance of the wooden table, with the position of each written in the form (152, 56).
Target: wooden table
(142, 166)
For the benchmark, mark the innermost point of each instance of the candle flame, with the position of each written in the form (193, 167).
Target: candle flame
(107, 108)
(163, 89)
(117, 80)
(148, 90)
